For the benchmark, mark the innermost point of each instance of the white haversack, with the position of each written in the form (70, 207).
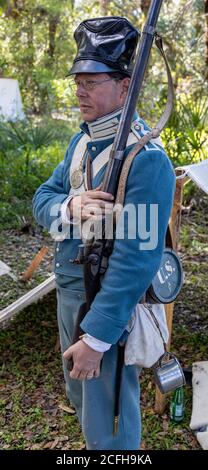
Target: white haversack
(144, 345)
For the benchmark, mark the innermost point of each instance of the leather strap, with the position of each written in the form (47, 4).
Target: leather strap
(89, 172)
(170, 98)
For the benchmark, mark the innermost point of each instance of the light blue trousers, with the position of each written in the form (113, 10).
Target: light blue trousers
(94, 399)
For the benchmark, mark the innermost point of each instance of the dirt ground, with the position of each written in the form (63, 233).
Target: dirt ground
(34, 413)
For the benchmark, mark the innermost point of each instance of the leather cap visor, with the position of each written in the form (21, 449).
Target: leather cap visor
(89, 66)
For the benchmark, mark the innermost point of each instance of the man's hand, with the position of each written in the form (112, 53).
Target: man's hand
(91, 203)
(86, 361)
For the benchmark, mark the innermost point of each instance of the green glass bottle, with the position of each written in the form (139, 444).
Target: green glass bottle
(177, 407)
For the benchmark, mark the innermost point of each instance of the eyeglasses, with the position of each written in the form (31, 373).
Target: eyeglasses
(88, 85)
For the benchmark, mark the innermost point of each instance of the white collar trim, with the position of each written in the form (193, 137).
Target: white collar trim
(104, 127)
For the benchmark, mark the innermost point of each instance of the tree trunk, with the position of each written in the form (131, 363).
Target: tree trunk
(145, 4)
(104, 7)
(206, 32)
(13, 8)
(30, 81)
(30, 48)
(53, 23)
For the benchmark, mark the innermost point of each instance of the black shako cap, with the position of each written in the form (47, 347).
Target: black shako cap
(105, 44)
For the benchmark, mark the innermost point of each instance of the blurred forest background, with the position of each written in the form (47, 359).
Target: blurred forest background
(37, 49)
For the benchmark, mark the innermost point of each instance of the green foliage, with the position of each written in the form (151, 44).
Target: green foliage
(29, 153)
(20, 183)
(45, 160)
(63, 96)
(23, 138)
(23, 135)
(185, 137)
(37, 47)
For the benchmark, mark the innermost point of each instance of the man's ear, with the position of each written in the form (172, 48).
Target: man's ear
(125, 86)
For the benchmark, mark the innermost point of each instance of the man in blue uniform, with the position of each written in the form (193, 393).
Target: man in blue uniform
(102, 70)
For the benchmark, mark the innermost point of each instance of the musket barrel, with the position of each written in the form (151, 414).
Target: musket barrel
(113, 169)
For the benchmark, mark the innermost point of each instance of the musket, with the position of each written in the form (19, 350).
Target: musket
(96, 252)
(113, 169)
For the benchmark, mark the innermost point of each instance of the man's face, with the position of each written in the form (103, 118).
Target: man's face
(103, 98)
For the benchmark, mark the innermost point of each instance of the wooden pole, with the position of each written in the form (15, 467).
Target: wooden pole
(175, 221)
(35, 263)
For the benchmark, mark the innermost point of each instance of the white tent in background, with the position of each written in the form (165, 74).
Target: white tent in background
(10, 100)
(197, 172)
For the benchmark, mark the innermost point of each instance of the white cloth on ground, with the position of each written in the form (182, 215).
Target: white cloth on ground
(5, 269)
(199, 417)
